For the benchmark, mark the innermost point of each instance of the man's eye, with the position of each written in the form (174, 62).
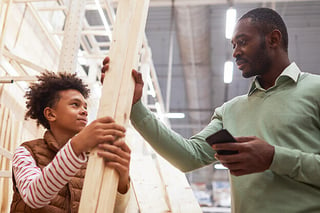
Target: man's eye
(75, 104)
(242, 42)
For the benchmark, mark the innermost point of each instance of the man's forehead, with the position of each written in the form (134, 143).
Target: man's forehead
(246, 22)
(243, 27)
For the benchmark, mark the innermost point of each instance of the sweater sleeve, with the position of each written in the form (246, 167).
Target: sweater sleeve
(38, 188)
(300, 166)
(185, 154)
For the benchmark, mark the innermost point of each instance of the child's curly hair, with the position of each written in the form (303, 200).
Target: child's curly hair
(45, 93)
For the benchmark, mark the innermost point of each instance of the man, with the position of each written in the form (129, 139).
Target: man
(276, 125)
(49, 172)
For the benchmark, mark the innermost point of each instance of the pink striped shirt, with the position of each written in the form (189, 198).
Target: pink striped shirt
(37, 188)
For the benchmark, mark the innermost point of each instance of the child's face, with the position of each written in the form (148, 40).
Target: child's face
(70, 112)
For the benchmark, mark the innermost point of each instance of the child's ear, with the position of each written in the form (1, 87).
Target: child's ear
(49, 114)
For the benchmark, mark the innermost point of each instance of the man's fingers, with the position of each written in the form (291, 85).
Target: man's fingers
(105, 68)
(245, 139)
(137, 77)
(106, 60)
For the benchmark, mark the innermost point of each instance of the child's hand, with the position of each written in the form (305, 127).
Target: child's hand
(117, 156)
(99, 131)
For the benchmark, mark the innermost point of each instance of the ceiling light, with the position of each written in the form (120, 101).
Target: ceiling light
(175, 115)
(228, 72)
(219, 166)
(230, 21)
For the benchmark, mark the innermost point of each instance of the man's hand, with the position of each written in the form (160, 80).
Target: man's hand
(255, 155)
(136, 76)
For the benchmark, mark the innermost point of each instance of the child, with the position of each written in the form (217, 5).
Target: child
(48, 173)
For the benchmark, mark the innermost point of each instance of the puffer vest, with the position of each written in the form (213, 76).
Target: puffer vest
(68, 198)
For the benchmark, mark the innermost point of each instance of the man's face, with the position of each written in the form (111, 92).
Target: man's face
(249, 49)
(70, 112)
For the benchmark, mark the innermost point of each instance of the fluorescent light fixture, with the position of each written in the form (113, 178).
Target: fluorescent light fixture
(230, 21)
(175, 115)
(219, 166)
(228, 72)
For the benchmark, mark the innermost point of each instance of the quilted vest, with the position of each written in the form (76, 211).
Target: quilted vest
(68, 198)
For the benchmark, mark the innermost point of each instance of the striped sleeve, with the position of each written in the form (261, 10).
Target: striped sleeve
(37, 188)
(122, 201)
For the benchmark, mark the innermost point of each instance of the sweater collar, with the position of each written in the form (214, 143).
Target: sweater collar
(290, 72)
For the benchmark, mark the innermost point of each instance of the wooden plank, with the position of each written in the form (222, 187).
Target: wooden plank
(170, 189)
(123, 109)
(14, 141)
(5, 174)
(110, 90)
(23, 61)
(2, 110)
(115, 90)
(2, 136)
(11, 79)
(3, 129)
(38, 20)
(5, 164)
(180, 196)
(148, 186)
(5, 153)
(4, 27)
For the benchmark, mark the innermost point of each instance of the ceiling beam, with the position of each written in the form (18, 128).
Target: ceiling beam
(23, 61)
(27, 1)
(167, 3)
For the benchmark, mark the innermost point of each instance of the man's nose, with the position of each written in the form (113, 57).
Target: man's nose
(236, 52)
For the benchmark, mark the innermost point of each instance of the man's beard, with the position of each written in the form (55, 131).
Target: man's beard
(260, 64)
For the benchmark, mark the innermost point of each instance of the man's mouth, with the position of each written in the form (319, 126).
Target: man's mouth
(241, 63)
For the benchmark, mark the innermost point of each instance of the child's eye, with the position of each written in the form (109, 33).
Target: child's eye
(75, 104)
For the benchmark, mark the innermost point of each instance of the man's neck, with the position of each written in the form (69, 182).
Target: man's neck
(268, 80)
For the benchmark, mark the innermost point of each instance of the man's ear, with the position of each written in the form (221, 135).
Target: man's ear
(274, 38)
(49, 114)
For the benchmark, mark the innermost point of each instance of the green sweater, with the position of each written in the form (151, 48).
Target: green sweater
(286, 115)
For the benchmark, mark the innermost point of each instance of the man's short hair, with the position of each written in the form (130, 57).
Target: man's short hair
(267, 20)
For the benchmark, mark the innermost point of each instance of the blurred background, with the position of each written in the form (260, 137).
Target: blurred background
(186, 60)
